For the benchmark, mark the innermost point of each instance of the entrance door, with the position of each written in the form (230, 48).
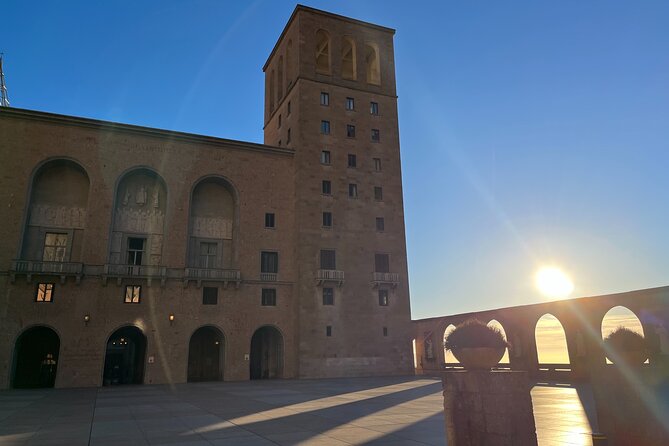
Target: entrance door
(36, 358)
(266, 360)
(124, 358)
(205, 355)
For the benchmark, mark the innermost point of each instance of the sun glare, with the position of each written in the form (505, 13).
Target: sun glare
(553, 282)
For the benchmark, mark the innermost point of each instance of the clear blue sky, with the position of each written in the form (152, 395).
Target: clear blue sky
(531, 132)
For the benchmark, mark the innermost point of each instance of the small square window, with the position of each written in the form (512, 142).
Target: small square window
(288, 137)
(44, 292)
(350, 131)
(353, 190)
(209, 295)
(327, 219)
(328, 296)
(135, 250)
(350, 104)
(377, 164)
(328, 330)
(133, 294)
(269, 220)
(378, 193)
(288, 109)
(326, 187)
(352, 160)
(325, 98)
(325, 127)
(268, 297)
(385, 331)
(380, 224)
(374, 108)
(376, 135)
(325, 157)
(383, 298)
(279, 125)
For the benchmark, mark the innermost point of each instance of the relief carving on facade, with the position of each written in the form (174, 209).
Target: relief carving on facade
(156, 245)
(57, 216)
(148, 221)
(211, 227)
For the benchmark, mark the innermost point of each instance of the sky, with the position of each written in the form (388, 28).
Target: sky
(532, 133)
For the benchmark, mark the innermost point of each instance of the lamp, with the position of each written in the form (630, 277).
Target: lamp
(171, 318)
(87, 319)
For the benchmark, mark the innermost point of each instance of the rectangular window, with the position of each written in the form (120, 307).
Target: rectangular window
(55, 247)
(327, 219)
(288, 137)
(269, 220)
(209, 295)
(325, 157)
(352, 160)
(350, 131)
(383, 298)
(133, 294)
(374, 108)
(268, 297)
(328, 296)
(288, 109)
(353, 190)
(326, 187)
(385, 331)
(328, 330)
(325, 127)
(377, 164)
(378, 193)
(381, 263)
(325, 98)
(208, 254)
(44, 292)
(328, 259)
(350, 104)
(380, 224)
(376, 135)
(269, 262)
(135, 250)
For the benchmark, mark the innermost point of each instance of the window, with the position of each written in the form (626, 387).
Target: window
(269, 262)
(279, 122)
(325, 98)
(135, 250)
(209, 295)
(353, 190)
(208, 254)
(352, 160)
(327, 219)
(381, 263)
(374, 108)
(378, 193)
(44, 292)
(288, 109)
(325, 157)
(268, 297)
(133, 294)
(350, 131)
(55, 247)
(383, 298)
(288, 137)
(328, 259)
(350, 104)
(326, 187)
(328, 330)
(328, 296)
(376, 136)
(385, 331)
(269, 220)
(325, 127)
(380, 224)
(377, 164)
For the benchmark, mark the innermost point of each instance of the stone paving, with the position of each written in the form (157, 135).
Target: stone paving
(356, 411)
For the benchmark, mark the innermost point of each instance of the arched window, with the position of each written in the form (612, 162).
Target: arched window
(551, 341)
(620, 317)
(271, 91)
(449, 358)
(497, 325)
(289, 64)
(372, 64)
(348, 61)
(280, 81)
(322, 52)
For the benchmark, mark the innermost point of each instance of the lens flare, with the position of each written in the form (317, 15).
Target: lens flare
(553, 282)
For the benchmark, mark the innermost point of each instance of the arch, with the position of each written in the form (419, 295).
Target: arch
(125, 353)
(495, 323)
(206, 354)
(620, 316)
(415, 353)
(322, 52)
(266, 357)
(372, 64)
(348, 58)
(280, 81)
(289, 64)
(449, 358)
(271, 91)
(551, 341)
(36, 353)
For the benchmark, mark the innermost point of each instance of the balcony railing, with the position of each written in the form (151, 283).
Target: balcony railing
(268, 277)
(148, 272)
(392, 279)
(330, 275)
(214, 275)
(38, 267)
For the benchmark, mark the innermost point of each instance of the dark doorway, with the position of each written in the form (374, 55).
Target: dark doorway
(205, 355)
(124, 359)
(266, 353)
(36, 358)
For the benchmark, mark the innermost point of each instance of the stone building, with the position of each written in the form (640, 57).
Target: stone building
(140, 255)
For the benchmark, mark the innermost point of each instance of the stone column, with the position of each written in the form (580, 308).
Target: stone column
(488, 408)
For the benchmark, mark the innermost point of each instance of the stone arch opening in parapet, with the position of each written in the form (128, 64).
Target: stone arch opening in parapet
(495, 323)
(35, 358)
(124, 357)
(322, 52)
(551, 341)
(266, 354)
(372, 64)
(206, 355)
(348, 58)
(280, 81)
(620, 316)
(289, 64)
(449, 358)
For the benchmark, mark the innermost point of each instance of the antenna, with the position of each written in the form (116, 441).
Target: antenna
(4, 99)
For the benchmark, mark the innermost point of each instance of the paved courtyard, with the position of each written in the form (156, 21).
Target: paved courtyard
(361, 411)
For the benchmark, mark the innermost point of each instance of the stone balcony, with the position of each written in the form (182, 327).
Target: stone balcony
(31, 268)
(212, 275)
(392, 279)
(330, 275)
(146, 272)
(268, 277)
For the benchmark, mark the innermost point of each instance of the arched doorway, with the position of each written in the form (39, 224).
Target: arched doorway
(551, 341)
(205, 355)
(36, 358)
(124, 358)
(266, 359)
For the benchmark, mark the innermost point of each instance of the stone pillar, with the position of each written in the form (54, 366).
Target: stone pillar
(488, 408)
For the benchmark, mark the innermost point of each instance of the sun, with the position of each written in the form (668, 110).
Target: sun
(553, 282)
